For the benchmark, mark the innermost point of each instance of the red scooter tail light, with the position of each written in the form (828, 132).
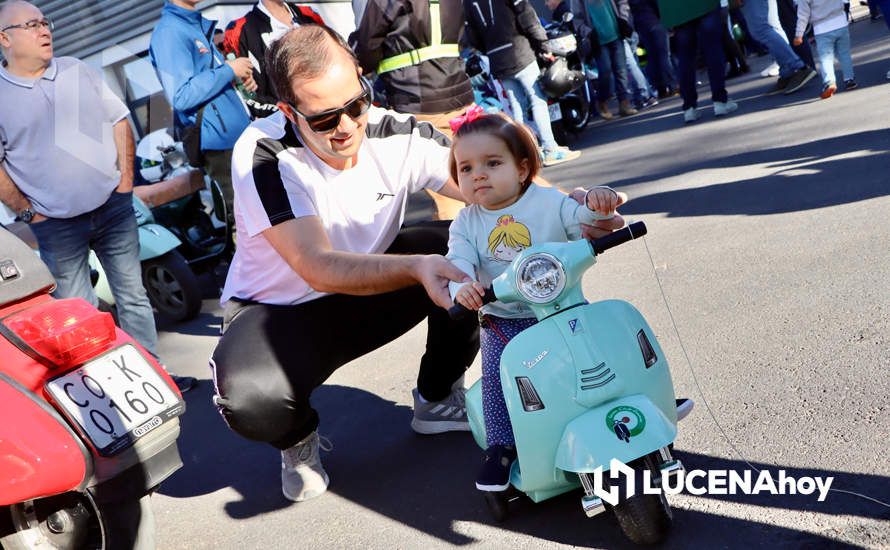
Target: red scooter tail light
(65, 332)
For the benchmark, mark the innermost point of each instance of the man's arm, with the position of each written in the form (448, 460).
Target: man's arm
(126, 154)
(305, 246)
(452, 191)
(11, 196)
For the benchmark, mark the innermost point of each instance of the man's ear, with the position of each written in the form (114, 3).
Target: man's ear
(288, 112)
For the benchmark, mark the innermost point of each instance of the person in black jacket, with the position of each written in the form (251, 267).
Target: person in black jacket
(412, 45)
(251, 35)
(510, 34)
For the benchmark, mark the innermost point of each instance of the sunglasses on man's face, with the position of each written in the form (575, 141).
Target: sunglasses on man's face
(329, 120)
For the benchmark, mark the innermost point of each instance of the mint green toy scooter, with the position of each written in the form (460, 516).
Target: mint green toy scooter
(587, 384)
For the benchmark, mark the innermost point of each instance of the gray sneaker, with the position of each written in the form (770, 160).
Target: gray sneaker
(798, 79)
(435, 417)
(302, 475)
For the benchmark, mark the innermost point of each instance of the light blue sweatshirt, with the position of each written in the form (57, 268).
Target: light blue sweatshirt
(483, 243)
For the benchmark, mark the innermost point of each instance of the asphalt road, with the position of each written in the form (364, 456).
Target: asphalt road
(768, 231)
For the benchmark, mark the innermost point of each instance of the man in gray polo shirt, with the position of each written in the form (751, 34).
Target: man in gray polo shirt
(66, 168)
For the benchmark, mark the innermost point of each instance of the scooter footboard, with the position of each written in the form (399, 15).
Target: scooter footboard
(625, 428)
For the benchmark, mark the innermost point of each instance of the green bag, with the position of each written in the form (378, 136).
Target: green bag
(677, 12)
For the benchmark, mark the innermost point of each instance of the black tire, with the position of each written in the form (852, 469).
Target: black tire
(575, 112)
(644, 519)
(497, 502)
(78, 522)
(172, 287)
(559, 132)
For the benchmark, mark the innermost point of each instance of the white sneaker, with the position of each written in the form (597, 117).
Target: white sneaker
(690, 115)
(302, 475)
(772, 70)
(723, 109)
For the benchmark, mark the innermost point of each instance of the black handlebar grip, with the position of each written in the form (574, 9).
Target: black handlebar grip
(632, 231)
(458, 312)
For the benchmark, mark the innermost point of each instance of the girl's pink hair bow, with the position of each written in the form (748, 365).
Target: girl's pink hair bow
(470, 115)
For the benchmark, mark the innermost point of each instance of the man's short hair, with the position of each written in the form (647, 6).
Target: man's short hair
(305, 52)
(5, 8)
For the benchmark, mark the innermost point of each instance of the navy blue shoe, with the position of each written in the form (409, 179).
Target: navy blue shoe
(495, 472)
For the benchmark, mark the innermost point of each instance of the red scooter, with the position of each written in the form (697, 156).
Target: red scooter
(88, 419)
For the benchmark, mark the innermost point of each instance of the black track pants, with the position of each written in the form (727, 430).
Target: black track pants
(270, 358)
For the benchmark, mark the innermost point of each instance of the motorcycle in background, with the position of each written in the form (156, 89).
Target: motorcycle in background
(90, 418)
(565, 81)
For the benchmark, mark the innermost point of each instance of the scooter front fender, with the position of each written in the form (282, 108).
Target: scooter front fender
(39, 454)
(625, 428)
(155, 240)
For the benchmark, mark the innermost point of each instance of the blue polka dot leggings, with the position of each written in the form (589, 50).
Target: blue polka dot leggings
(496, 332)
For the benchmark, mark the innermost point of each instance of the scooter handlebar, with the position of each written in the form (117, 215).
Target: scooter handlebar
(458, 312)
(632, 231)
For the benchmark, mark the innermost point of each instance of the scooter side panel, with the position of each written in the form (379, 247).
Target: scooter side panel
(474, 413)
(39, 456)
(564, 358)
(592, 439)
(155, 240)
(540, 356)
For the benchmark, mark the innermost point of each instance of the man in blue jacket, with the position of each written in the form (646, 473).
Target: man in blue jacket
(200, 85)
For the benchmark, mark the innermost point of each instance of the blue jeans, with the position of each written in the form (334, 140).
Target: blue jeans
(111, 232)
(523, 88)
(705, 33)
(637, 80)
(763, 23)
(829, 44)
(654, 38)
(612, 64)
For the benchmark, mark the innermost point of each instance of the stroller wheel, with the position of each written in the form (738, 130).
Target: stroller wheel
(497, 504)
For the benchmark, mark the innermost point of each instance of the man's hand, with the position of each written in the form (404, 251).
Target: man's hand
(798, 40)
(601, 228)
(38, 218)
(125, 185)
(434, 272)
(249, 83)
(242, 67)
(470, 296)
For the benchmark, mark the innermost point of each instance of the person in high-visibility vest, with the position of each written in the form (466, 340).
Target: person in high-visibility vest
(412, 46)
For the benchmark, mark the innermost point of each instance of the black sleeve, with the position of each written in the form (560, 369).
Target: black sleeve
(529, 24)
(367, 40)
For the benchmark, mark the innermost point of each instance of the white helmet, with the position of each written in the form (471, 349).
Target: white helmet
(150, 153)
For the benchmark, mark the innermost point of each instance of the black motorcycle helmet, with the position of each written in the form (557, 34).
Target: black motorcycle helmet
(557, 80)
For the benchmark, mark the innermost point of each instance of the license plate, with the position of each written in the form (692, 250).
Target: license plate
(555, 112)
(116, 399)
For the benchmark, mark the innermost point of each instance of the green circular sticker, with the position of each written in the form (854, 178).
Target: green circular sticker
(631, 417)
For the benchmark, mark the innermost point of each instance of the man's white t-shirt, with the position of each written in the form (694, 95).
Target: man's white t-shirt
(277, 178)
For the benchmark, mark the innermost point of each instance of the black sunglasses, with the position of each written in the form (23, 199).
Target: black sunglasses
(328, 120)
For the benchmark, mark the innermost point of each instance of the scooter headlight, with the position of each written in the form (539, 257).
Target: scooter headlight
(540, 278)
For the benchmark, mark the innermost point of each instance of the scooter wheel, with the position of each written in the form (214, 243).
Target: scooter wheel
(497, 504)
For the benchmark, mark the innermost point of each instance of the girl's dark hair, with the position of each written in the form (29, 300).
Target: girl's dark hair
(302, 53)
(519, 141)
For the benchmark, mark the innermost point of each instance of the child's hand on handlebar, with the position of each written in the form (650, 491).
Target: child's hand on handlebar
(604, 200)
(470, 295)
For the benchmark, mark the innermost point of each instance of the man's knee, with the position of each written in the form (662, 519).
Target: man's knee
(249, 409)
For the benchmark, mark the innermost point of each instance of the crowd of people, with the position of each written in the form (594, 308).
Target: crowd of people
(280, 110)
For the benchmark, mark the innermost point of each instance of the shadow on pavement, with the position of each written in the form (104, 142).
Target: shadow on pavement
(806, 176)
(426, 482)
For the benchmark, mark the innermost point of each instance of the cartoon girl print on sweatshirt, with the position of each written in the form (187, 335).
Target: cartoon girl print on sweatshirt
(508, 239)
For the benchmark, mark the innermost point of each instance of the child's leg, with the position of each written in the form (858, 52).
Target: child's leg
(494, 335)
(842, 48)
(825, 50)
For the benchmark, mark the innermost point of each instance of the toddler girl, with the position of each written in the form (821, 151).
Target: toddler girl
(494, 161)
